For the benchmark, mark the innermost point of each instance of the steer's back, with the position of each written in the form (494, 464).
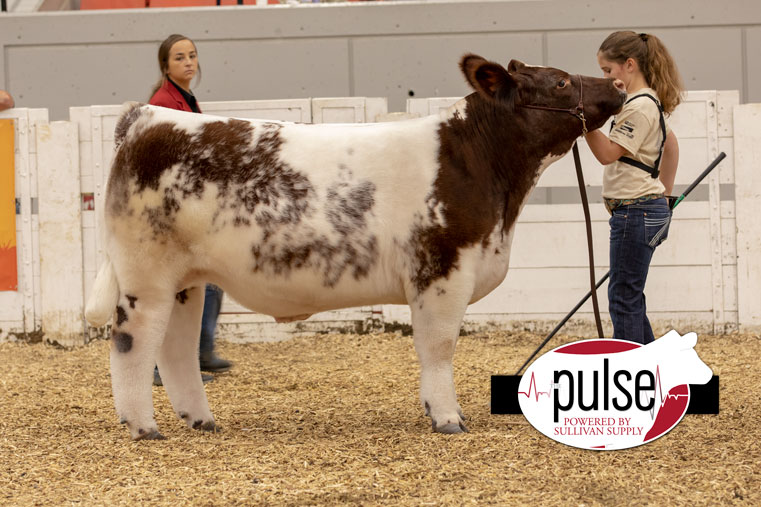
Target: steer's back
(275, 206)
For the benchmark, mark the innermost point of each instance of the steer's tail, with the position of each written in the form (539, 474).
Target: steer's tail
(104, 296)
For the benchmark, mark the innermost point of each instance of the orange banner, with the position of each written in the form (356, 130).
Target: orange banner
(8, 272)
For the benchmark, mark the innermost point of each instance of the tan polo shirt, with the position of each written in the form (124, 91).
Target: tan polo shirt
(638, 131)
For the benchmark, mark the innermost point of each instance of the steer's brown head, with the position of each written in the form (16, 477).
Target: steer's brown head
(543, 99)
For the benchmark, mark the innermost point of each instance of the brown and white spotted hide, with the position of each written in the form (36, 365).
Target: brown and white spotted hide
(292, 219)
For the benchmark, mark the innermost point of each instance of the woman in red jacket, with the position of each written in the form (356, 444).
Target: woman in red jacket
(178, 61)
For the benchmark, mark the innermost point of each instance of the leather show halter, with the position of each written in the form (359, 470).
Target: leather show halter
(578, 112)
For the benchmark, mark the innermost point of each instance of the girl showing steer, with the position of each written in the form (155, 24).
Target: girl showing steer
(640, 158)
(294, 219)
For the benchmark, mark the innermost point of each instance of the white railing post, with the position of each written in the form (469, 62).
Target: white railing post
(60, 217)
(747, 118)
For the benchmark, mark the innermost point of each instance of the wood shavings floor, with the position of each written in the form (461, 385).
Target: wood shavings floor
(335, 419)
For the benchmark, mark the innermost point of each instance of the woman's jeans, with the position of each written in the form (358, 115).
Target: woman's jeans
(211, 306)
(635, 231)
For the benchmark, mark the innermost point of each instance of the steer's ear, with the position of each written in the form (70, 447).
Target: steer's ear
(488, 78)
(515, 65)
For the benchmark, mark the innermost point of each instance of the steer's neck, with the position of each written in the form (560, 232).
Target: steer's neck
(501, 155)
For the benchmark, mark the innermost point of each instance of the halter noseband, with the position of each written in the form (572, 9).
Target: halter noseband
(577, 111)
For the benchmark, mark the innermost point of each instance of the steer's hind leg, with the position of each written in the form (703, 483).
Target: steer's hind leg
(178, 361)
(436, 318)
(138, 330)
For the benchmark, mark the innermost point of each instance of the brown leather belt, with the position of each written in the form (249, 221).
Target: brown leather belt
(612, 204)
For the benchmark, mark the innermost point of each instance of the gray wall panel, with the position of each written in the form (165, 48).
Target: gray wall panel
(753, 63)
(576, 52)
(57, 77)
(273, 69)
(709, 58)
(380, 49)
(428, 65)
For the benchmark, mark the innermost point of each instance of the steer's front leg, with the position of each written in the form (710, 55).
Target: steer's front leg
(139, 326)
(436, 318)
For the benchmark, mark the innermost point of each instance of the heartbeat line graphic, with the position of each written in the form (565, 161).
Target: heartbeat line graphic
(659, 389)
(532, 385)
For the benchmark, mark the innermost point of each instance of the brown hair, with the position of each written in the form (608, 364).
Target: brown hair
(654, 61)
(164, 49)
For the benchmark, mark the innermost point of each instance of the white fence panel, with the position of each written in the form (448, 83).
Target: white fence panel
(60, 234)
(348, 109)
(747, 141)
(294, 110)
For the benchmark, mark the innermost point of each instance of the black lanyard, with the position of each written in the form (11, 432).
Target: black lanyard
(653, 171)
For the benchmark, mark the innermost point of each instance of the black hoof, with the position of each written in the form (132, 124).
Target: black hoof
(211, 427)
(206, 426)
(150, 435)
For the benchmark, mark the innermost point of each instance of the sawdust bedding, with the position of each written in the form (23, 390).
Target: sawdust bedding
(334, 419)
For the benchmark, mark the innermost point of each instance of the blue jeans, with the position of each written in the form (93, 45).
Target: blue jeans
(211, 306)
(635, 231)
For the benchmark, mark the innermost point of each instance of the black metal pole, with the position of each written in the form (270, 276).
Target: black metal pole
(562, 322)
(692, 186)
(695, 183)
(3, 6)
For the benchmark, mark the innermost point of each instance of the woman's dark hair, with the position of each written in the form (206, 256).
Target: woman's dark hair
(164, 49)
(654, 61)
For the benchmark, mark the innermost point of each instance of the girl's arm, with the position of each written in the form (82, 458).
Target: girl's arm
(605, 151)
(669, 162)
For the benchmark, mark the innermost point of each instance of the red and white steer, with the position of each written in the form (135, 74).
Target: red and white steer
(294, 219)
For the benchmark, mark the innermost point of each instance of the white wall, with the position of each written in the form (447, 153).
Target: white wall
(705, 278)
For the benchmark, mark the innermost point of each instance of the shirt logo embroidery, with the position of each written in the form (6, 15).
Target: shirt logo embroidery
(626, 128)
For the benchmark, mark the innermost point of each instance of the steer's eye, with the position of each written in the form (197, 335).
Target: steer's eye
(561, 84)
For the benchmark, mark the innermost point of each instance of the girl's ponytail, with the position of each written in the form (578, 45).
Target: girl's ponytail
(662, 74)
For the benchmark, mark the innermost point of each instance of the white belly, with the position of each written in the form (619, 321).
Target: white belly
(493, 262)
